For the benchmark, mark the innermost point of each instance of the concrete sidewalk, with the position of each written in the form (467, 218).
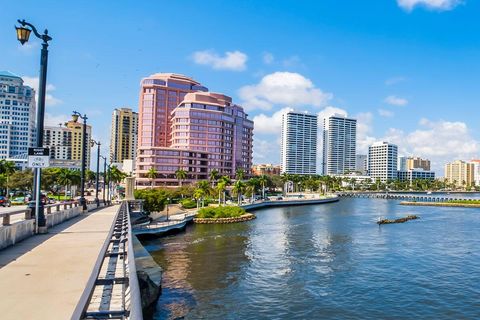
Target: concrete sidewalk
(44, 276)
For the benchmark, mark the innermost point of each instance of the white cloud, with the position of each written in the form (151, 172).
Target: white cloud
(330, 111)
(266, 151)
(440, 5)
(440, 141)
(283, 88)
(268, 58)
(364, 132)
(292, 61)
(385, 113)
(232, 60)
(33, 82)
(394, 80)
(56, 119)
(396, 101)
(269, 124)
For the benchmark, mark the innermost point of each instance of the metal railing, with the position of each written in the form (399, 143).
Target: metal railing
(48, 209)
(112, 291)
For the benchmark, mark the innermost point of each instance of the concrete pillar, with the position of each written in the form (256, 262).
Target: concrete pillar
(129, 188)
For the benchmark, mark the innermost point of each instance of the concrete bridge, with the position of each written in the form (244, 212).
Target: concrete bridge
(83, 268)
(399, 196)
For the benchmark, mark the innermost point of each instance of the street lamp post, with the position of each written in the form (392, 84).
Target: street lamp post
(104, 177)
(168, 202)
(93, 142)
(75, 116)
(23, 34)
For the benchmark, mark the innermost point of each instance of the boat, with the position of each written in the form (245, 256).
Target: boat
(429, 192)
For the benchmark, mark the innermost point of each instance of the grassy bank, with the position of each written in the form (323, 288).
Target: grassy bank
(220, 212)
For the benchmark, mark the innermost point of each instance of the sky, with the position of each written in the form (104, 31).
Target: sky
(408, 70)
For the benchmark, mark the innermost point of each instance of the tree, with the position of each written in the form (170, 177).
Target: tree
(181, 175)
(199, 194)
(240, 174)
(7, 168)
(252, 187)
(226, 180)
(214, 175)
(66, 177)
(220, 188)
(21, 180)
(263, 179)
(152, 174)
(238, 189)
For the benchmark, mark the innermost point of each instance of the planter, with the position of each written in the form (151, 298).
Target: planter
(242, 218)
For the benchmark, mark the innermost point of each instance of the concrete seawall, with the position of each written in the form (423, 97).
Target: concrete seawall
(284, 203)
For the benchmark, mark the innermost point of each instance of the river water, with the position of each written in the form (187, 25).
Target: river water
(329, 261)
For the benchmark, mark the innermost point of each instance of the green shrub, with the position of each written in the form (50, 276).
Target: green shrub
(220, 212)
(188, 203)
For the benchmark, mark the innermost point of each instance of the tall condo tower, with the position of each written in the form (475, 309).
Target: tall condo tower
(17, 116)
(382, 161)
(299, 143)
(339, 145)
(160, 94)
(124, 135)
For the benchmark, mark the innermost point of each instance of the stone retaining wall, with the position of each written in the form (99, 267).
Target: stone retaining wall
(440, 204)
(242, 218)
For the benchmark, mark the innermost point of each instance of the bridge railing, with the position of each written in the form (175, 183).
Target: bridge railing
(48, 209)
(113, 291)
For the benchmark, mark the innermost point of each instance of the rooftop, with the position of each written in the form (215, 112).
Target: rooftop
(8, 74)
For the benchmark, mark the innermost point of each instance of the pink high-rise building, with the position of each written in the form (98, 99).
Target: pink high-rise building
(206, 131)
(160, 93)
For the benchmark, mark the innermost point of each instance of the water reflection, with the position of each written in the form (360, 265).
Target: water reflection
(326, 261)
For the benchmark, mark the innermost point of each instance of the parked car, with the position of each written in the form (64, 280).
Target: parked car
(4, 201)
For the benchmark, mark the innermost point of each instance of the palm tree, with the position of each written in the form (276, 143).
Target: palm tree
(7, 168)
(263, 179)
(152, 174)
(214, 175)
(199, 194)
(252, 187)
(220, 188)
(66, 177)
(240, 174)
(181, 175)
(238, 189)
(226, 180)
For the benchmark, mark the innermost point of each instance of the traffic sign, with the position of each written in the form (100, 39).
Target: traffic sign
(38, 157)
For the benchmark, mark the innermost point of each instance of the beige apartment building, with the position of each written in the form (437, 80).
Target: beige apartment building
(76, 139)
(460, 173)
(124, 135)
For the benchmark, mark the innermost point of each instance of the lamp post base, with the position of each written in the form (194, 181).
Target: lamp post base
(97, 201)
(42, 222)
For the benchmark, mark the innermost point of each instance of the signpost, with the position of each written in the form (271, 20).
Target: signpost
(38, 158)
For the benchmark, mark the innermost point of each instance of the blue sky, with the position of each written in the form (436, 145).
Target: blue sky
(407, 69)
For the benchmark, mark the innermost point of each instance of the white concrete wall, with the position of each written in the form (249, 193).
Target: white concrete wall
(9, 235)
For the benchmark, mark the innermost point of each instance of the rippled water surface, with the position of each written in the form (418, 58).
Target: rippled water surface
(325, 261)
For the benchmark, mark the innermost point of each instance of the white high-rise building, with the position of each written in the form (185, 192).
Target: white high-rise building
(339, 145)
(299, 143)
(382, 161)
(59, 141)
(361, 163)
(17, 116)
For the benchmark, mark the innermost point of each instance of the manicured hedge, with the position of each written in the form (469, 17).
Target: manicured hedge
(188, 203)
(220, 212)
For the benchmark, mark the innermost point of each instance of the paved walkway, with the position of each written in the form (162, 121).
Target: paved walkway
(44, 276)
